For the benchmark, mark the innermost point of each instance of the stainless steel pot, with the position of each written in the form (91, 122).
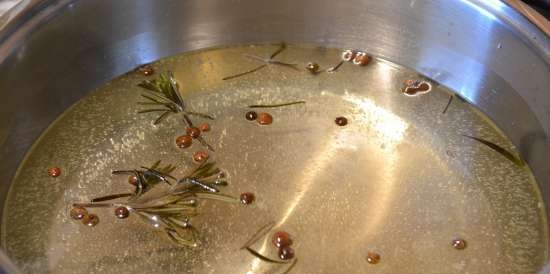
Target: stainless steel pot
(53, 52)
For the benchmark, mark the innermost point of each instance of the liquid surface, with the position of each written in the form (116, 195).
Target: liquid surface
(398, 180)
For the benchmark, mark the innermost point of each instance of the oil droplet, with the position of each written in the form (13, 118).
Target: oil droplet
(286, 253)
(194, 132)
(200, 156)
(341, 121)
(78, 213)
(459, 243)
(122, 212)
(54, 172)
(184, 141)
(90, 220)
(373, 257)
(251, 115)
(264, 118)
(416, 87)
(281, 239)
(204, 127)
(247, 198)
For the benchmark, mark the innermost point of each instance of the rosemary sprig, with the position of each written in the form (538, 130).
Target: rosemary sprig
(163, 96)
(170, 210)
(277, 105)
(266, 62)
(516, 160)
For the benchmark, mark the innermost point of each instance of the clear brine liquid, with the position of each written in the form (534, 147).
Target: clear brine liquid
(399, 180)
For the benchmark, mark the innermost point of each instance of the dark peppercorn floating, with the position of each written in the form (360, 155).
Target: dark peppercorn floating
(184, 141)
(286, 253)
(78, 213)
(194, 132)
(341, 121)
(373, 258)
(281, 239)
(264, 118)
(251, 115)
(90, 220)
(459, 244)
(200, 156)
(147, 70)
(313, 68)
(247, 198)
(133, 180)
(204, 127)
(122, 212)
(54, 172)
(416, 87)
(361, 59)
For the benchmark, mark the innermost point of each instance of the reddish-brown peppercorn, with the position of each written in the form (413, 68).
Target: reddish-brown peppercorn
(194, 132)
(78, 213)
(147, 70)
(54, 171)
(341, 121)
(459, 243)
(200, 156)
(281, 239)
(122, 212)
(251, 115)
(361, 59)
(416, 87)
(132, 180)
(204, 127)
(264, 118)
(286, 253)
(373, 257)
(348, 55)
(247, 198)
(90, 220)
(184, 141)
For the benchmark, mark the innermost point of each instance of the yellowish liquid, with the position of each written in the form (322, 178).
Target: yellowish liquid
(399, 180)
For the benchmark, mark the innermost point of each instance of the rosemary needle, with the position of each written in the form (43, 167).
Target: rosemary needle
(260, 233)
(263, 258)
(277, 105)
(451, 97)
(516, 160)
